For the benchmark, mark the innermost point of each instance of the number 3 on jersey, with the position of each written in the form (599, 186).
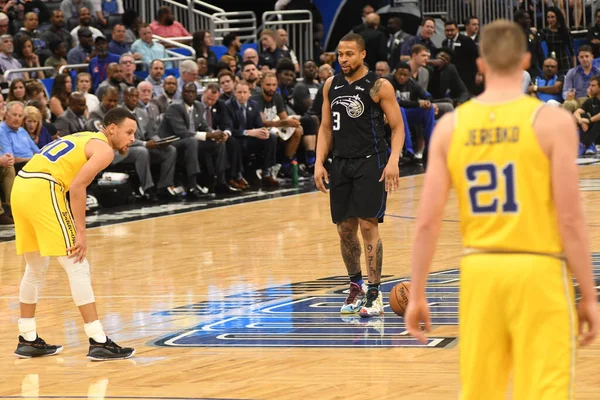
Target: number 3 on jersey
(484, 197)
(336, 121)
(55, 150)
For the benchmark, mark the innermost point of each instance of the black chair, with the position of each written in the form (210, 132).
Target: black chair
(72, 23)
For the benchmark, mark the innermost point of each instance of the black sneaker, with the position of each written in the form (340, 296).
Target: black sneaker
(108, 351)
(36, 348)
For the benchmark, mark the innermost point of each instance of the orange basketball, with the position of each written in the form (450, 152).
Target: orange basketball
(399, 298)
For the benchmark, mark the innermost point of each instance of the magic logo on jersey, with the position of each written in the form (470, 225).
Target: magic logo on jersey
(353, 104)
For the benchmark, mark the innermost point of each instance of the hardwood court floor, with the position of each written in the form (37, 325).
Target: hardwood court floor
(238, 298)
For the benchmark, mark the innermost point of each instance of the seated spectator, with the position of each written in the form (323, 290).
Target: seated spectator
(382, 69)
(73, 119)
(166, 26)
(148, 49)
(158, 105)
(282, 43)
(17, 91)
(274, 115)
(247, 125)
(548, 87)
(33, 125)
(251, 55)
(325, 72)
(81, 53)
(114, 79)
(231, 63)
(419, 56)
(84, 85)
(155, 77)
(27, 58)
(7, 61)
(57, 60)
(226, 82)
(14, 139)
(423, 38)
(250, 75)
(202, 69)
(85, 21)
(29, 30)
(104, 8)
(73, 8)
(7, 178)
(127, 63)
(201, 42)
(184, 119)
(577, 80)
(99, 64)
(234, 45)
(34, 90)
(593, 35)
(217, 117)
(38, 8)
(117, 44)
(445, 83)
(146, 151)
(57, 32)
(42, 107)
(588, 117)
(472, 28)
(223, 66)
(188, 73)
(59, 98)
(270, 53)
(145, 90)
(109, 101)
(416, 104)
(4, 22)
(465, 53)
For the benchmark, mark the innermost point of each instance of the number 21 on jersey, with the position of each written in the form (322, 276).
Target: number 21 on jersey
(485, 194)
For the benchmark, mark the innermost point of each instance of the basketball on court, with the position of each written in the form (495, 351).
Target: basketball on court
(399, 297)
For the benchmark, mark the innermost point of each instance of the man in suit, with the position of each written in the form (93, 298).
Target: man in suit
(472, 29)
(375, 41)
(465, 54)
(395, 41)
(185, 119)
(444, 80)
(247, 125)
(217, 116)
(367, 9)
(109, 101)
(145, 137)
(158, 105)
(72, 120)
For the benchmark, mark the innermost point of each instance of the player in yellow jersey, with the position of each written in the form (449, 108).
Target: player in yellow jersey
(511, 160)
(45, 227)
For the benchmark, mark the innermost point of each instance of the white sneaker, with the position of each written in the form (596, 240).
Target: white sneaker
(373, 306)
(354, 301)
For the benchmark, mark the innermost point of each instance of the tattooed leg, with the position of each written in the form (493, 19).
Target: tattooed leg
(373, 249)
(350, 245)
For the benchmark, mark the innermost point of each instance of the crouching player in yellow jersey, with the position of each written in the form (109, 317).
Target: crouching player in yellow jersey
(45, 227)
(511, 160)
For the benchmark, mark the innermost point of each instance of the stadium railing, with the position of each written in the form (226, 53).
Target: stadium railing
(299, 26)
(242, 23)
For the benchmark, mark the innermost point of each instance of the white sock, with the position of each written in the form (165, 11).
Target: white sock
(27, 328)
(95, 331)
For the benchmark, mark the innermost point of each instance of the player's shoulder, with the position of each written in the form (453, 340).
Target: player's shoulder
(554, 127)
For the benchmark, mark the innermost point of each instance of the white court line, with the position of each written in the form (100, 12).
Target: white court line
(125, 297)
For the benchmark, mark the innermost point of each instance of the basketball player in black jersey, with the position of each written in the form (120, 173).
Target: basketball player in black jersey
(355, 103)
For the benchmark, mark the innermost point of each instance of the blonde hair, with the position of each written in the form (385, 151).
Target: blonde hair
(227, 59)
(502, 46)
(35, 114)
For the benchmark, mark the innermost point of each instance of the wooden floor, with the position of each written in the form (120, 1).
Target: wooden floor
(161, 278)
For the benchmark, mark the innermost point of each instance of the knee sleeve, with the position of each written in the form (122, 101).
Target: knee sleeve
(33, 279)
(79, 279)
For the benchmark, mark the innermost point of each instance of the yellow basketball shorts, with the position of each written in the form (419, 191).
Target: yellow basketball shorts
(517, 313)
(43, 220)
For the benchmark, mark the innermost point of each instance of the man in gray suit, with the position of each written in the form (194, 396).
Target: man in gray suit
(137, 155)
(158, 105)
(145, 137)
(185, 120)
(72, 120)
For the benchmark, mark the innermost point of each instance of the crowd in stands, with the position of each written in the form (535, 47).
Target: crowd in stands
(248, 117)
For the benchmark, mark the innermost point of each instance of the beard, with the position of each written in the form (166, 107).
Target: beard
(269, 93)
(351, 72)
(169, 21)
(252, 80)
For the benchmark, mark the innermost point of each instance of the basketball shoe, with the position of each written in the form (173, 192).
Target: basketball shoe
(355, 298)
(108, 351)
(373, 306)
(35, 348)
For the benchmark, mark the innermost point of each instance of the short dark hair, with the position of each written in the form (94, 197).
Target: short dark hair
(448, 51)
(285, 64)
(164, 10)
(451, 22)
(212, 87)
(356, 38)
(54, 45)
(585, 47)
(117, 115)
(226, 72)
(402, 65)
(157, 60)
(427, 19)
(228, 39)
(596, 78)
(247, 62)
(471, 18)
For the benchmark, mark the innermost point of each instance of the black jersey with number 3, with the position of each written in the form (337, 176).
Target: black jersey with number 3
(356, 119)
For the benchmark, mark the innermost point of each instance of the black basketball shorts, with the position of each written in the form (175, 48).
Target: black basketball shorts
(355, 190)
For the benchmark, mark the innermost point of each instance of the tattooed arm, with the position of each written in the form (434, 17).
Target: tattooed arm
(382, 92)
